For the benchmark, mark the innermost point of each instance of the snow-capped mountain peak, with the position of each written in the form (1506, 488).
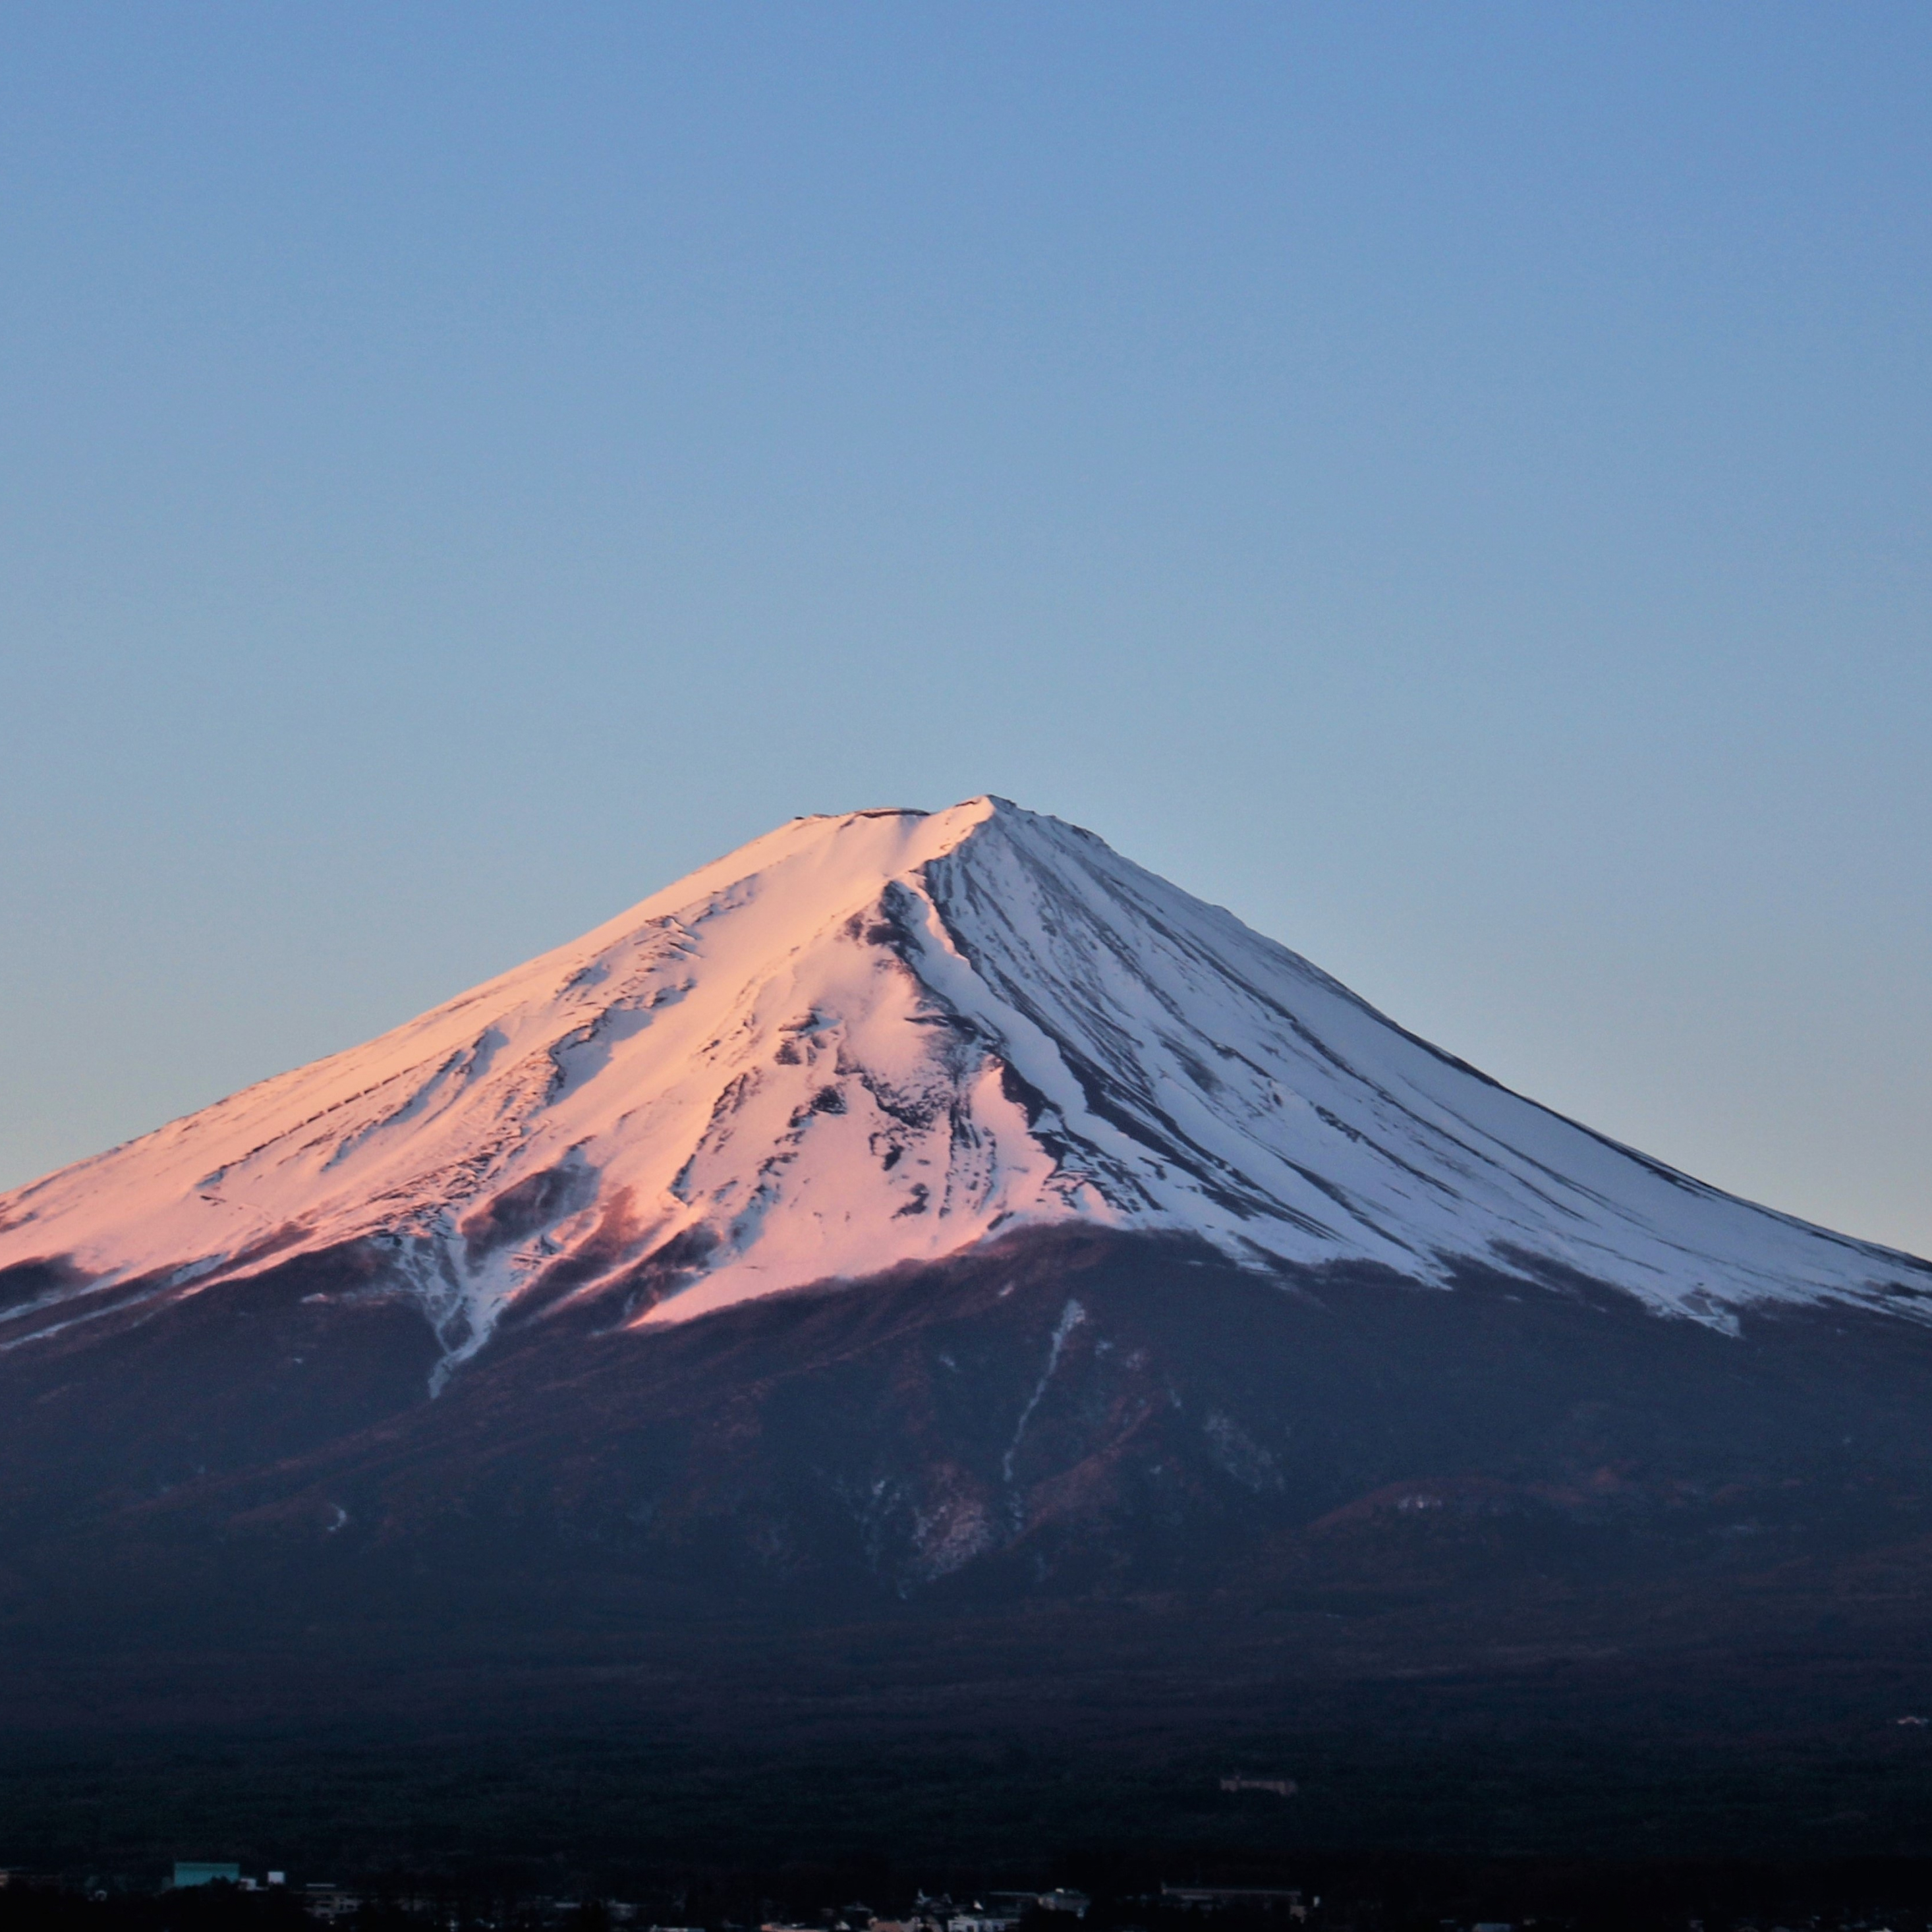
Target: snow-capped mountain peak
(879, 1039)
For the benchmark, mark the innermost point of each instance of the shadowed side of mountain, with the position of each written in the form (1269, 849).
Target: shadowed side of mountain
(1088, 1517)
(1077, 1411)
(1389, 1476)
(168, 1391)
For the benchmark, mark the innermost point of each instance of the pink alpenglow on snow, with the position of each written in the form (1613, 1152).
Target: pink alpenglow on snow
(880, 1038)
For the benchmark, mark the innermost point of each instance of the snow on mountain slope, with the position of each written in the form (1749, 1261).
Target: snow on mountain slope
(878, 1039)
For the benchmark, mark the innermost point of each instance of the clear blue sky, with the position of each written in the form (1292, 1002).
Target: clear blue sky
(1450, 483)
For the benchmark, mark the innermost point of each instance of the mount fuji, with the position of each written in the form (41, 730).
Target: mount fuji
(878, 1040)
(924, 1274)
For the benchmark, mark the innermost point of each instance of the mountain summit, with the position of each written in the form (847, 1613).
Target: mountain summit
(877, 1040)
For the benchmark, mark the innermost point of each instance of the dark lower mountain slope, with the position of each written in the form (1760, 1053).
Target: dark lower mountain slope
(1105, 1497)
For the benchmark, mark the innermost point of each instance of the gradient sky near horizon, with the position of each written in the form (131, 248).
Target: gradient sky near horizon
(1451, 484)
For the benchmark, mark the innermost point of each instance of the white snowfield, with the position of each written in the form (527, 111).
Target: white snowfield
(880, 1038)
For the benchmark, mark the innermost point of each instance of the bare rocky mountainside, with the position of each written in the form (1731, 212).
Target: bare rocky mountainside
(924, 1284)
